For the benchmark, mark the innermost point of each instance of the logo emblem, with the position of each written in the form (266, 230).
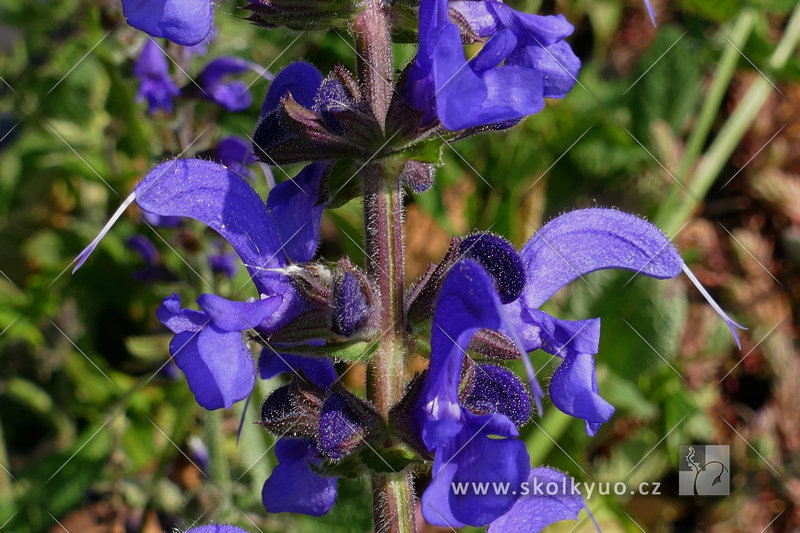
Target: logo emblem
(704, 471)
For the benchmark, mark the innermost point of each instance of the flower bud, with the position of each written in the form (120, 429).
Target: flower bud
(351, 299)
(343, 424)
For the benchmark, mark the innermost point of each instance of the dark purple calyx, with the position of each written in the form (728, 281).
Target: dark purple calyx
(351, 301)
(344, 424)
(500, 260)
(293, 410)
(494, 389)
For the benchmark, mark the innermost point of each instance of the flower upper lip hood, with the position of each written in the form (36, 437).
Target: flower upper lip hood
(460, 438)
(185, 22)
(523, 61)
(208, 344)
(471, 447)
(566, 248)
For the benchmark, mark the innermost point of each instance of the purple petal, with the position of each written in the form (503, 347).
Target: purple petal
(295, 208)
(562, 336)
(557, 64)
(495, 95)
(523, 61)
(533, 512)
(155, 84)
(319, 371)
(235, 153)
(300, 79)
(500, 260)
(467, 302)
(218, 366)
(436, 498)
(185, 22)
(293, 487)
(473, 457)
(144, 247)
(573, 390)
(586, 240)
(481, 19)
(650, 11)
(228, 315)
(495, 51)
(218, 197)
(180, 320)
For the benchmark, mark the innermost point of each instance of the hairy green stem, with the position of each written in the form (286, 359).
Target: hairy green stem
(675, 213)
(393, 501)
(392, 493)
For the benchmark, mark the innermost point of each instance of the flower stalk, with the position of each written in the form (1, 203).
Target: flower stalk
(393, 497)
(392, 492)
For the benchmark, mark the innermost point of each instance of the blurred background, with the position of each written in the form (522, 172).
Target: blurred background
(691, 124)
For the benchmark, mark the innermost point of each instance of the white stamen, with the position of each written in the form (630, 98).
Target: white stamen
(731, 324)
(84, 255)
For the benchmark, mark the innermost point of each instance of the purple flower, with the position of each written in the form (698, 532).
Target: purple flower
(214, 84)
(185, 22)
(208, 345)
(563, 250)
(235, 153)
(155, 85)
(473, 439)
(224, 263)
(566, 248)
(294, 486)
(540, 506)
(461, 439)
(153, 268)
(523, 61)
(145, 248)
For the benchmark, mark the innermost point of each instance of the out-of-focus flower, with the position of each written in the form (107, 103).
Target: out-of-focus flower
(524, 60)
(224, 263)
(153, 268)
(235, 153)
(155, 85)
(185, 22)
(215, 85)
